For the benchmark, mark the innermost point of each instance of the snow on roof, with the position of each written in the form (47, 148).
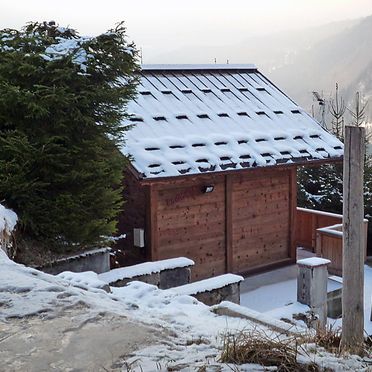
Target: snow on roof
(190, 119)
(189, 67)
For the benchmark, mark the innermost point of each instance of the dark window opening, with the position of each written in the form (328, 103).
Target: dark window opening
(186, 91)
(220, 143)
(244, 156)
(295, 111)
(314, 136)
(176, 147)
(243, 114)
(181, 117)
(279, 138)
(298, 138)
(198, 144)
(285, 152)
(260, 140)
(203, 116)
(152, 148)
(278, 112)
(178, 162)
(242, 141)
(223, 115)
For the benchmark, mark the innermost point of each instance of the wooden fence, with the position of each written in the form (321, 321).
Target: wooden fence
(308, 221)
(321, 232)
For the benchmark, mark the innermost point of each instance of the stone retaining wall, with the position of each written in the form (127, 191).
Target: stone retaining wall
(97, 260)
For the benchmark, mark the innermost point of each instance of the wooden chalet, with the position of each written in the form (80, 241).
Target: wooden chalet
(214, 151)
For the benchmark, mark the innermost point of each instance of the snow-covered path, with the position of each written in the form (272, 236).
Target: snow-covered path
(47, 323)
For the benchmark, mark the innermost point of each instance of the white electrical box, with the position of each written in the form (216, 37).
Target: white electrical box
(139, 238)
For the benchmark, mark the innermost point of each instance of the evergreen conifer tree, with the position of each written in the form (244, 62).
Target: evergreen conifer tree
(62, 105)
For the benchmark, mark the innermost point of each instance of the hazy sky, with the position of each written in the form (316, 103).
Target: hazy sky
(164, 25)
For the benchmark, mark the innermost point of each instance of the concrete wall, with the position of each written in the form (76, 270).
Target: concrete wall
(230, 293)
(164, 279)
(97, 260)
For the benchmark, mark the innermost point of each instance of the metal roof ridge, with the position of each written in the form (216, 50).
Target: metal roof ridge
(212, 66)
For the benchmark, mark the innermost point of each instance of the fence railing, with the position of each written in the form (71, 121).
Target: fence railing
(308, 221)
(321, 232)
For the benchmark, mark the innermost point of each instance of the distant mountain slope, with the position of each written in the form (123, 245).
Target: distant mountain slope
(301, 61)
(345, 57)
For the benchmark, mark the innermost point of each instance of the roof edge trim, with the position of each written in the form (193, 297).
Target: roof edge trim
(189, 67)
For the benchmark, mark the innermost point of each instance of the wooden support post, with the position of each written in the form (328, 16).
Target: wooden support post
(228, 222)
(353, 241)
(293, 213)
(152, 235)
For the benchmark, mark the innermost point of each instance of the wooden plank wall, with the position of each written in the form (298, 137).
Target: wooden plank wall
(133, 216)
(261, 220)
(308, 220)
(191, 223)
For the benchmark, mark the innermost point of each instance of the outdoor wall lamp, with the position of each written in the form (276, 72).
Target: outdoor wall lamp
(207, 189)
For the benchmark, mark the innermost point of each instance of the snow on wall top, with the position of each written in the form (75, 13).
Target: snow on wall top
(145, 268)
(190, 119)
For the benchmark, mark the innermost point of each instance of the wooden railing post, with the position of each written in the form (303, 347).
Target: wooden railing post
(353, 241)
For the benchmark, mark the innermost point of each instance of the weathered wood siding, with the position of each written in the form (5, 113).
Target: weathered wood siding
(308, 221)
(246, 224)
(261, 220)
(191, 223)
(133, 216)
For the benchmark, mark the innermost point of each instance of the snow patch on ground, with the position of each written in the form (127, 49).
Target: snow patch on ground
(42, 313)
(8, 220)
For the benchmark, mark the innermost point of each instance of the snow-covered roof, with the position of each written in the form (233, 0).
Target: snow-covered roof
(190, 119)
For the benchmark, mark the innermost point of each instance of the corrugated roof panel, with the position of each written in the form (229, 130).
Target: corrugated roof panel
(189, 120)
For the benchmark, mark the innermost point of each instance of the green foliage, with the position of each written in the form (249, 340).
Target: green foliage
(62, 105)
(321, 187)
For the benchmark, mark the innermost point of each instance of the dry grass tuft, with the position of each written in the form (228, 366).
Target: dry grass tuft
(254, 346)
(330, 339)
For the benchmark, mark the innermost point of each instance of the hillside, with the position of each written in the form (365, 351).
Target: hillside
(300, 61)
(344, 57)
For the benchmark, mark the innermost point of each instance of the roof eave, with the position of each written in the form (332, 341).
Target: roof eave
(314, 162)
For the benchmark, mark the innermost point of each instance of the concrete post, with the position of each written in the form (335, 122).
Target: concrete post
(312, 286)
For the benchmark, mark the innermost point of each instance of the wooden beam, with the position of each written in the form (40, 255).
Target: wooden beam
(271, 168)
(292, 213)
(353, 241)
(228, 222)
(152, 236)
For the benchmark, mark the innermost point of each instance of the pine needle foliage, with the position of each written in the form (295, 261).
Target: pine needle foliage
(62, 108)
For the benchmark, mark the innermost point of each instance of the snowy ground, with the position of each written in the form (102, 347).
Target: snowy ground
(51, 323)
(271, 292)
